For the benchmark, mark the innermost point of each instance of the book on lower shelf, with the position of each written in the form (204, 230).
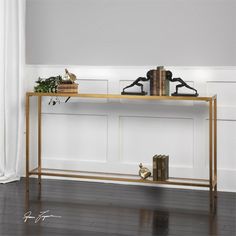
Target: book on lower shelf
(160, 167)
(154, 165)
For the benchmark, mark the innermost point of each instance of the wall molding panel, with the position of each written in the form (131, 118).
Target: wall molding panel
(141, 137)
(113, 135)
(75, 137)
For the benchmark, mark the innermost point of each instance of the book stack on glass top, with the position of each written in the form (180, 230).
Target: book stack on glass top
(159, 85)
(160, 167)
(67, 87)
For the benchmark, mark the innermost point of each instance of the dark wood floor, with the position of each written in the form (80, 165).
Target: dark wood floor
(90, 209)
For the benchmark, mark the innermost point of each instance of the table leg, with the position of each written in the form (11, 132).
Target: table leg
(27, 114)
(215, 147)
(39, 137)
(210, 150)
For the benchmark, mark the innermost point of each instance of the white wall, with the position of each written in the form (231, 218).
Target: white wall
(115, 136)
(131, 32)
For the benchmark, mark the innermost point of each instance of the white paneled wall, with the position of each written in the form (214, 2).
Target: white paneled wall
(116, 135)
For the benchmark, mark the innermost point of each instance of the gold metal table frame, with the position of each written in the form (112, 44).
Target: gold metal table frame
(210, 183)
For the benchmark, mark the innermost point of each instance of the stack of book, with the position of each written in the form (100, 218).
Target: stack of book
(159, 85)
(160, 167)
(67, 88)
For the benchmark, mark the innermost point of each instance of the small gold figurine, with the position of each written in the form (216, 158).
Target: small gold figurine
(70, 76)
(144, 172)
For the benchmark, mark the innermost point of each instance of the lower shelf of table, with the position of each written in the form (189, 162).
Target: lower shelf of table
(120, 178)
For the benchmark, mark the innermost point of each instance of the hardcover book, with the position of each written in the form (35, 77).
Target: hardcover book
(153, 84)
(67, 88)
(159, 85)
(165, 84)
(160, 167)
(164, 167)
(154, 168)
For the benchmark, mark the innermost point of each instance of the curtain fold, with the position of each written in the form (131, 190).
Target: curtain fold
(11, 89)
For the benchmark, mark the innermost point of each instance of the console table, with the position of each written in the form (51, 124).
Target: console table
(210, 183)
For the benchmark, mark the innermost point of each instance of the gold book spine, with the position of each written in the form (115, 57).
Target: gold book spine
(159, 164)
(155, 168)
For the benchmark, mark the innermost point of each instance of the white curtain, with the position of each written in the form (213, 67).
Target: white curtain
(12, 24)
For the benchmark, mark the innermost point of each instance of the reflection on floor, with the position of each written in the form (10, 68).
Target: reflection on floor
(89, 209)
